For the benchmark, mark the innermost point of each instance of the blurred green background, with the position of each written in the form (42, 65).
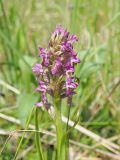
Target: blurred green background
(27, 25)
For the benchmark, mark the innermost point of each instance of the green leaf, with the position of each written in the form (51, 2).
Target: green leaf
(88, 69)
(26, 73)
(25, 102)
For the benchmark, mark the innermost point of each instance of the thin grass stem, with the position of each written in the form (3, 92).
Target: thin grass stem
(37, 137)
(21, 140)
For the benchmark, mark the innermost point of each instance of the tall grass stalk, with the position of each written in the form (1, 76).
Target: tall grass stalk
(59, 130)
(37, 137)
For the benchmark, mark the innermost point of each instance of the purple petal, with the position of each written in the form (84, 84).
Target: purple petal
(73, 38)
(56, 68)
(72, 85)
(37, 69)
(40, 89)
(69, 92)
(69, 79)
(61, 31)
(39, 104)
(42, 86)
(75, 60)
(69, 68)
(43, 52)
(66, 46)
(46, 61)
(44, 98)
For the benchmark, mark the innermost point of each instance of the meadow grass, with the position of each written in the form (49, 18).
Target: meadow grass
(26, 25)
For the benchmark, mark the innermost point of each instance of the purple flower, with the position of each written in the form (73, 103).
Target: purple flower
(39, 104)
(73, 38)
(75, 60)
(61, 31)
(55, 73)
(43, 52)
(42, 86)
(44, 98)
(37, 69)
(69, 68)
(56, 69)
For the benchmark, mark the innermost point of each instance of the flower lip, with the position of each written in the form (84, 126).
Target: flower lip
(73, 38)
(37, 69)
(43, 52)
(39, 104)
(75, 60)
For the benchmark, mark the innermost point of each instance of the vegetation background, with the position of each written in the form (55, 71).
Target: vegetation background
(26, 25)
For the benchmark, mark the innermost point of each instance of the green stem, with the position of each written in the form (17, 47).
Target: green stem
(59, 134)
(67, 135)
(37, 137)
(59, 131)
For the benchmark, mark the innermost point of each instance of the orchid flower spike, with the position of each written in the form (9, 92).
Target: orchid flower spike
(55, 73)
